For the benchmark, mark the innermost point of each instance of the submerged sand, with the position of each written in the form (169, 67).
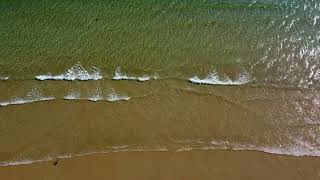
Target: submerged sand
(191, 117)
(179, 121)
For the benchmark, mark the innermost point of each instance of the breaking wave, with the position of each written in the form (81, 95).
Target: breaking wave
(3, 78)
(25, 162)
(118, 75)
(72, 96)
(97, 96)
(116, 97)
(32, 96)
(35, 96)
(214, 79)
(77, 72)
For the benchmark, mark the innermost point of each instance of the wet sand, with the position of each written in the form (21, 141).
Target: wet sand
(172, 119)
(217, 164)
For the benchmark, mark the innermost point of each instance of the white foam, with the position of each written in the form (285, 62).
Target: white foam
(115, 97)
(251, 4)
(120, 76)
(115, 149)
(25, 162)
(143, 78)
(72, 96)
(32, 96)
(3, 78)
(118, 147)
(215, 79)
(22, 162)
(295, 150)
(95, 98)
(292, 151)
(213, 145)
(315, 20)
(18, 101)
(77, 72)
(279, 150)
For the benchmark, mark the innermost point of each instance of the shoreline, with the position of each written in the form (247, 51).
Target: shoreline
(178, 119)
(218, 164)
(159, 150)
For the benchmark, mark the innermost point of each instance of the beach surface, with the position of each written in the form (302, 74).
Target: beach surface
(221, 164)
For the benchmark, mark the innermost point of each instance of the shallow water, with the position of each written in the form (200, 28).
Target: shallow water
(79, 77)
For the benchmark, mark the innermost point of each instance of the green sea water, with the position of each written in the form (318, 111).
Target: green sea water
(170, 38)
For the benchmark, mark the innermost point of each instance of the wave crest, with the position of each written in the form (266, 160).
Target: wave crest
(214, 79)
(32, 96)
(98, 96)
(3, 78)
(77, 72)
(116, 97)
(118, 75)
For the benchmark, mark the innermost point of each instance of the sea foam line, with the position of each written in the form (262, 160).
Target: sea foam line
(114, 149)
(77, 72)
(296, 150)
(18, 101)
(213, 145)
(214, 79)
(99, 98)
(25, 162)
(118, 75)
(115, 97)
(32, 96)
(290, 151)
(112, 97)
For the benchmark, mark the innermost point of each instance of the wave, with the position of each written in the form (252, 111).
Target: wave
(72, 96)
(21, 101)
(184, 146)
(278, 150)
(214, 79)
(25, 162)
(3, 78)
(298, 150)
(112, 149)
(93, 98)
(77, 72)
(18, 101)
(97, 96)
(32, 96)
(120, 76)
(115, 97)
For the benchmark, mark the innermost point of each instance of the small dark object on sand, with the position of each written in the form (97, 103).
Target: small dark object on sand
(55, 162)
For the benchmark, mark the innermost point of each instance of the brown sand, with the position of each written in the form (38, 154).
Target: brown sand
(60, 127)
(36, 130)
(217, 164)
